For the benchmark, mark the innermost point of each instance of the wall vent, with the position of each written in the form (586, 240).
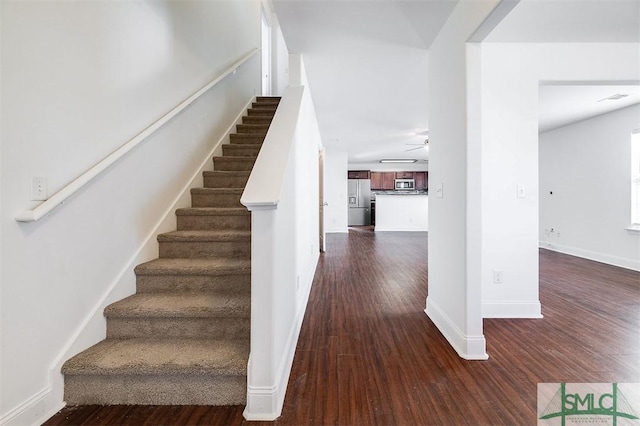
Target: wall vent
(614, 97)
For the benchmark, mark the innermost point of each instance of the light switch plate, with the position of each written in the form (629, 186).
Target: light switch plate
(440, 191)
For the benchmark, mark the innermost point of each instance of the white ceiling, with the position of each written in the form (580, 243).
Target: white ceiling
(366, 62)
(559, 21)
(565, 104)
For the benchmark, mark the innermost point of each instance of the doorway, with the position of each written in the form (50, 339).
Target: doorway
(266, 55)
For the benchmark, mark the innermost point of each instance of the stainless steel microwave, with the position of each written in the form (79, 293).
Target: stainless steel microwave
(405, 184)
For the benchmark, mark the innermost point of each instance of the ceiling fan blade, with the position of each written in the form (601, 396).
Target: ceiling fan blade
(413, 149)
(415, 144)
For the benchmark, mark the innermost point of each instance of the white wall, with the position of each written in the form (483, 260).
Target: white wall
(281, 61)
(279, 52)
(336, 213)
(511, 74)
(453, 303)
(587, 167)
(78, 80)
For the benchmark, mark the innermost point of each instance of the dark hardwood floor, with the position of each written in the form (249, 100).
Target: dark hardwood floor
(369, 355)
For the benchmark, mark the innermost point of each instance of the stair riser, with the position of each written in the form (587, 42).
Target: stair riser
(225, 181)
(254, 129)
(222, 284)
(239, 151)
(268, 99)
(187, 389)
(216, 200)
(240, 138)
(264, 105)
(185, 328)
(233, 165)
(256, 120)
(202, 223)
(199, 249)
(260, 112)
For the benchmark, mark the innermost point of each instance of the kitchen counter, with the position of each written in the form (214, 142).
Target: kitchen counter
(397, 213)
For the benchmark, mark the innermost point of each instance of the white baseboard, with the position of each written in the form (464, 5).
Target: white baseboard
(34, 411)
(467, 347)
(93, 328)
(265, 403)
(633, 264)
(511, 309)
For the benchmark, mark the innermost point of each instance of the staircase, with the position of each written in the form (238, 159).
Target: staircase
(183, 338)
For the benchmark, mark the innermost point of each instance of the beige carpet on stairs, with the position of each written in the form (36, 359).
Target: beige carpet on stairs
(183, 338)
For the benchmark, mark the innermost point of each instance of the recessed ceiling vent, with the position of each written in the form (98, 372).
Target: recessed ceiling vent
(614, 97)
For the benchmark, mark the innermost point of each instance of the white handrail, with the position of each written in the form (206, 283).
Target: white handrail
(60, 196)
(265, 183)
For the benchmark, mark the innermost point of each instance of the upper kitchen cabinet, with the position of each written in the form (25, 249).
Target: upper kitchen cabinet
(422, 182)
(382, 181)
(358, 174)
(405, 175)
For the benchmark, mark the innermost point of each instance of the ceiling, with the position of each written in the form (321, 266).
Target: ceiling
(367, 63)
(565, 104)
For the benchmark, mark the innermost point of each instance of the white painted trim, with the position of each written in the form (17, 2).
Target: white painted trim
(467, 347)
(511, 309)
(75, 185)
(633, 264)
(265, 403)
(34, 411)
(148, 250)
(633, 229)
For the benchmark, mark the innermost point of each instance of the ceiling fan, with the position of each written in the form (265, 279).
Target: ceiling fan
(423, 145)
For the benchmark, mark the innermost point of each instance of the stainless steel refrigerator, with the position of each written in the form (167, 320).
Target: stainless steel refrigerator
(359, 197)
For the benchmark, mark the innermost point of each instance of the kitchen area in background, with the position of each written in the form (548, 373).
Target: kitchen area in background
(388, 200)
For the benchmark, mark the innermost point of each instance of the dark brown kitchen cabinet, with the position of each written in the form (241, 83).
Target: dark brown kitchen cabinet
(422, 183)
(358, 174)
(388, 181)
(376, 181)
(404, 175)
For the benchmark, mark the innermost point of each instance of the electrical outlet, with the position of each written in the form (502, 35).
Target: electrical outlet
(440, 191)
(497, 276)
(38, 189)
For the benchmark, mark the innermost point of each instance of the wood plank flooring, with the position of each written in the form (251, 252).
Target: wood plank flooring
(369, 355)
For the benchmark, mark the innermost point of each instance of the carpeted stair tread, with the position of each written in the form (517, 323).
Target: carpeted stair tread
(167, 305)
(242, 138)
(229, 173)
(208, 235)
(161, 357)
(196, 266)
(218, 190)
(231, 158)
(260, 129)
(246, 145)
(261, 112)
(256, 120)
(213, 211)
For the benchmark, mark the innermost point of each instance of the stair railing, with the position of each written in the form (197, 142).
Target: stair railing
(282, 195)
(71, 188)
